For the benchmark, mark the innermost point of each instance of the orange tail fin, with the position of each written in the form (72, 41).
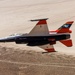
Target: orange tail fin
(67, 43)
(65, 28)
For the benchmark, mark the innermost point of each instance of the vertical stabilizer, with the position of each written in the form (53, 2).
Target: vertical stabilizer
(65, 28)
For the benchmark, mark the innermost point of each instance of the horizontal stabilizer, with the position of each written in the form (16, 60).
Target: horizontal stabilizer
(67, 43)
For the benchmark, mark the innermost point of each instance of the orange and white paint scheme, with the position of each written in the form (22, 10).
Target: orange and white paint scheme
(42, 37)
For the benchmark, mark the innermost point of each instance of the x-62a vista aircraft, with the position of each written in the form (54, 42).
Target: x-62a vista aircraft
(42, 37)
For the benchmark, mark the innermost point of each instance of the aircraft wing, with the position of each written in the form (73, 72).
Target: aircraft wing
(48, 48)
(41, 28)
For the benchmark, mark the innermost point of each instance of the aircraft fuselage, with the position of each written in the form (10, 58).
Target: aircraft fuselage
(42, 37)
(36, 40)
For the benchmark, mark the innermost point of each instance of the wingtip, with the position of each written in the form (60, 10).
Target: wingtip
(50, 50)
(39, 19)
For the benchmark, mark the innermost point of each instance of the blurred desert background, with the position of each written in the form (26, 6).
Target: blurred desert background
(15, 16)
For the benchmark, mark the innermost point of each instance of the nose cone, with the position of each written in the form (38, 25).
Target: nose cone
(7, 39)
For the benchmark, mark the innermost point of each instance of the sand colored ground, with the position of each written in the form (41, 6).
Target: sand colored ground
(23, 60)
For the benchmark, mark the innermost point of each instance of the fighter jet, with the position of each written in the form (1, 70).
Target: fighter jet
(42, 37)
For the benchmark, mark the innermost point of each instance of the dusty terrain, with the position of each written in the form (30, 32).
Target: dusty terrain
(23, 60)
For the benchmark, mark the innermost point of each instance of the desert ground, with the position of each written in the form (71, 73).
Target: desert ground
(15, 16)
